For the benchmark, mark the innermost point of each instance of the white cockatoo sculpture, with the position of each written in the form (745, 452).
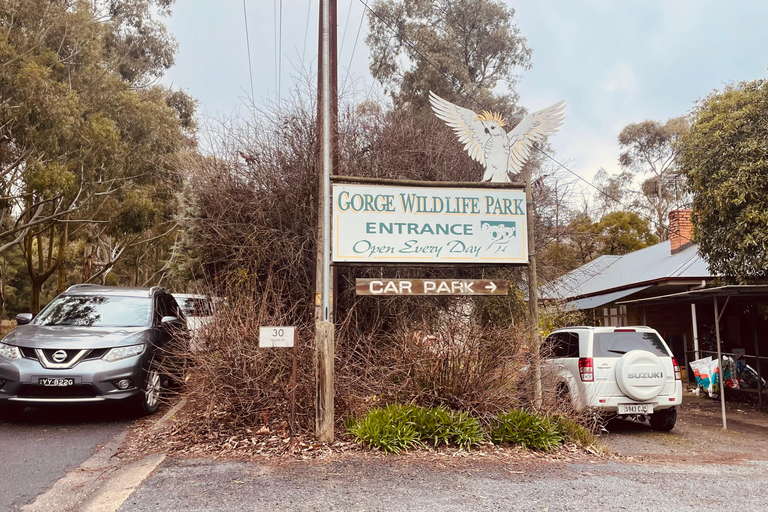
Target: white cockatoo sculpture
(486, 141)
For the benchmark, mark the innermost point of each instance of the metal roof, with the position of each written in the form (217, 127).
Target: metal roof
(598, 300)
(607, 273)
(744, 291)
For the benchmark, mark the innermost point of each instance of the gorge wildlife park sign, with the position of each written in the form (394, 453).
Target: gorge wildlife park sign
(380, 224)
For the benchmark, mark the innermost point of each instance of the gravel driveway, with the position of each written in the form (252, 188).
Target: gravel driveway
(697, 467)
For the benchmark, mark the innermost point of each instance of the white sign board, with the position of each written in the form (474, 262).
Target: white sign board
(394, 224)
(276, 337)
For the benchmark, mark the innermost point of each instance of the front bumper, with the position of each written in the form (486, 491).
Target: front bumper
(94, 381)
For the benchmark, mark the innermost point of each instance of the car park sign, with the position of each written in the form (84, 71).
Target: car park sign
(379, 224)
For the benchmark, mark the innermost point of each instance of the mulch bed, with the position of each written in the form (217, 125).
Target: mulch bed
(184, 438)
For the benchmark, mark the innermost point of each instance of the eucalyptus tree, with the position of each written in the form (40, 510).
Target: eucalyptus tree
(81, 124)
(725, 160)
(650, 147)
(456, 48)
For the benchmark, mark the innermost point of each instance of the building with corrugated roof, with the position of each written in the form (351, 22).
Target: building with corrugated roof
(600, 286)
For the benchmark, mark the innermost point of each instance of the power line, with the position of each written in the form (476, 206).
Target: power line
(481, 106)
(306, 32)
(280, 57)
(346, 23)
(354, 47)
(248, 45)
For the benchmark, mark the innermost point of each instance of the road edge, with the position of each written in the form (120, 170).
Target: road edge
(101, 479)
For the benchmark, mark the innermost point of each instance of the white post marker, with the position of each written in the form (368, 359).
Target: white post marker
(271, 337)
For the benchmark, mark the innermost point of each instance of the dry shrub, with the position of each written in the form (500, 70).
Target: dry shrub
(251, 230)
(233, 381)
(461, 365)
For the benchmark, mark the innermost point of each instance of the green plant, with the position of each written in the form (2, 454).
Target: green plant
(531, 431)
(399, 427)
(388, 429)
(573, 432)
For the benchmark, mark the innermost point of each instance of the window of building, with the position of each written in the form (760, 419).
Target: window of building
(615, 316)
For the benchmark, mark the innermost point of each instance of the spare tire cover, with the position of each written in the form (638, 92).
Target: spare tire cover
(640, 375)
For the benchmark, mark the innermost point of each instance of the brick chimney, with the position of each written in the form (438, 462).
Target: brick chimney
(680, 230)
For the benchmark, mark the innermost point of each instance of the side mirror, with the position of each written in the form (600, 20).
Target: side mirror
(23, 318)
(169, 321)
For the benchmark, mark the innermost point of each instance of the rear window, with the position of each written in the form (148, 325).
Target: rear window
(616, 344)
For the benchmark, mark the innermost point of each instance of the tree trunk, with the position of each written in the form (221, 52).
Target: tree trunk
(34, 303)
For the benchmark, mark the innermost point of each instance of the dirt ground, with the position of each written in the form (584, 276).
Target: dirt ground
(698, 435)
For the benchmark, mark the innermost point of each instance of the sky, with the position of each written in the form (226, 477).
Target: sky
(613, 62)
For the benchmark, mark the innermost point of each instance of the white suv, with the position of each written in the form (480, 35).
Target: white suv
(628, 371)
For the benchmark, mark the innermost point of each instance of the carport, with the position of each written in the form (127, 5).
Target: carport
(742, 302)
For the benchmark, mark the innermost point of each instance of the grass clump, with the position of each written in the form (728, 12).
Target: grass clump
(388, 429)
(400, 427)
(529, 430)
(573, 432)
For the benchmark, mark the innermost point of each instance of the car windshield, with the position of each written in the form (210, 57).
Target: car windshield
(97, 311)
(616, 344)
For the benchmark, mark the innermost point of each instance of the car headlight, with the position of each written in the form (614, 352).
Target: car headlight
(9, 351)
(119, 353)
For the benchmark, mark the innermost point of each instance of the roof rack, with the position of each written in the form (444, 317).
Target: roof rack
(158, 288)
(82, 285)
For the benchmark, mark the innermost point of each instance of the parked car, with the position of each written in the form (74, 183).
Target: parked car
(626, 371)
(199, 311)
(91, 344)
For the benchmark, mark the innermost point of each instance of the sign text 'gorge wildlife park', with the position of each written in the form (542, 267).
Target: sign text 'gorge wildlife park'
(400, 224)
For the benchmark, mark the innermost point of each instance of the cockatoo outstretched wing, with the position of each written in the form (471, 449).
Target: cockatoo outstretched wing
(469, 130)
(532, 128)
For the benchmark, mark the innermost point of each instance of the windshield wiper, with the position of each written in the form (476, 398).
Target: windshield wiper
(618, 351)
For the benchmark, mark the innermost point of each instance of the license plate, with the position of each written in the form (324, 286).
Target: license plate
(635, 408)
(55, 382)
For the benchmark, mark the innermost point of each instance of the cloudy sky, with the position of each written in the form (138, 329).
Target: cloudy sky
(614, 62)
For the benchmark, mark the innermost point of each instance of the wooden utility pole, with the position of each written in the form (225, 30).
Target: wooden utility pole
(533, 293)
(324, 329)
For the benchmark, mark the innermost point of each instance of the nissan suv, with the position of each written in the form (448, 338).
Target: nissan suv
(91, 344)
(626, 371)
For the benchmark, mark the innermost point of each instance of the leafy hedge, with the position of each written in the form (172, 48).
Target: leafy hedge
(397, 428)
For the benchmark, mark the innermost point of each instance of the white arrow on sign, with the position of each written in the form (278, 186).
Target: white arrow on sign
(491, 287)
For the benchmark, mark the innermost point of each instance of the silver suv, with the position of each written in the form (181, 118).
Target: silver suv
(91, 344)
(628, 371)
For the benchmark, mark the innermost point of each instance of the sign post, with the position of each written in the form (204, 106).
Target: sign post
(270, 337)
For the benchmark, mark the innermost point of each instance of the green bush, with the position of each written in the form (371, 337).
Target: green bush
(573, 432)
(400, 427)
(531, 431)
(388, 429)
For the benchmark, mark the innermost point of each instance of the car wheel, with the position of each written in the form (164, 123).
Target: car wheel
(151, 389)
(663, 421)
(11, 411)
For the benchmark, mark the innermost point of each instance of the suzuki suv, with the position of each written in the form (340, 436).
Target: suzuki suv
(627, 371)
(90, 344)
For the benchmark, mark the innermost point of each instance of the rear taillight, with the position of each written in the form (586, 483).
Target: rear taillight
(624, 330)
(586, 369)
(676, 368)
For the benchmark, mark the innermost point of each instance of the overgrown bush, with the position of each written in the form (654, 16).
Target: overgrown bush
(250, 232)
(400, 427)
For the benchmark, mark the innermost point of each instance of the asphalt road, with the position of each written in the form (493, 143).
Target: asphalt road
(44, 444)
(379, 485)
